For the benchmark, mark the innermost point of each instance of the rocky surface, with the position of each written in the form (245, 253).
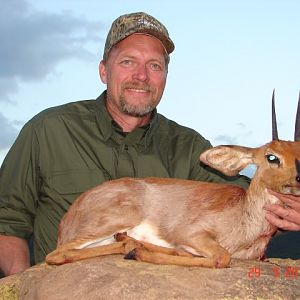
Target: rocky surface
(112, 277)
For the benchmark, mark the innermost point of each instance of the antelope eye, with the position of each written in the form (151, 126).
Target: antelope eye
(273, 159)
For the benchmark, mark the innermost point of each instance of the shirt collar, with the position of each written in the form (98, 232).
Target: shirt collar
(109, 128)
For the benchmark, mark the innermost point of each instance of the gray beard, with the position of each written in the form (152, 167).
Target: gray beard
(136, 111)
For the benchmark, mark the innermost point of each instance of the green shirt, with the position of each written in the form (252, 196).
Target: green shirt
(65, 150)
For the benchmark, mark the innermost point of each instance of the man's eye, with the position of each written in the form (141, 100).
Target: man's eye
(126, 62)
(155, 66)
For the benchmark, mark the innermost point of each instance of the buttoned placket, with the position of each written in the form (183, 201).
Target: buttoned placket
(128, 153)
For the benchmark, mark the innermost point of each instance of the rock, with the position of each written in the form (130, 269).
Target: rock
(112, 277)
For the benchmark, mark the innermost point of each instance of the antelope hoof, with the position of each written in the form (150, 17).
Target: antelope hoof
(222, 261)
(56, 259)
(120, 236)
(131, 255)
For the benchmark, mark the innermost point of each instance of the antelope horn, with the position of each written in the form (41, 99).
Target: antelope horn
(274, 123)
(297, 124)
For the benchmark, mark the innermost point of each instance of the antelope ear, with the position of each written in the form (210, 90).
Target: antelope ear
(229, 160)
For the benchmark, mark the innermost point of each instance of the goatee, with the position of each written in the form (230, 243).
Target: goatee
(138, 110)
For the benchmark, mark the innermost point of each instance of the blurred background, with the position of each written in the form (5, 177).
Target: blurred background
(229, 57)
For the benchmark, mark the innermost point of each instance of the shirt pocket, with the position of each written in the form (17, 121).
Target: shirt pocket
(76, 182)
(60, 189)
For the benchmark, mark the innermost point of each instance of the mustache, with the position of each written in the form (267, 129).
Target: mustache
(138, 86)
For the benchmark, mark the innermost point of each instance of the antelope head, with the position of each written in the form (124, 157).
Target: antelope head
(278, 162)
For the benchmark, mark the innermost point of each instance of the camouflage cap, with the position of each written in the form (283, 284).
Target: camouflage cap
(139, 22)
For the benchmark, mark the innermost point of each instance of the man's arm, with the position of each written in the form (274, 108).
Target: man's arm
(14, 255)
(18, 201)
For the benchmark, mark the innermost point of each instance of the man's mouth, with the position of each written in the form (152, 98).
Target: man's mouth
(138, 90)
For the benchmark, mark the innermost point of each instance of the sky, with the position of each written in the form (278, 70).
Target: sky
(229, 56)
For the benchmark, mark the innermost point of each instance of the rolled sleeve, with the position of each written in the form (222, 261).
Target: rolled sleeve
(18, 186)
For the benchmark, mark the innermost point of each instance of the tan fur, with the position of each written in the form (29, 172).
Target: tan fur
(215, 221)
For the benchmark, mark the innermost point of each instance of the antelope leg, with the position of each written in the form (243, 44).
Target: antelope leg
(145, 255)
(152, 247)
(67, 254)
(205, 244)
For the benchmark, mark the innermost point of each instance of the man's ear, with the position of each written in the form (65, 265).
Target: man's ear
(102, 72)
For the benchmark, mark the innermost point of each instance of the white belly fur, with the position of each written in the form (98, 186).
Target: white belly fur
(144, 232)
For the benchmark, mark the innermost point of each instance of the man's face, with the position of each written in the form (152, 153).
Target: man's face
(135, 73)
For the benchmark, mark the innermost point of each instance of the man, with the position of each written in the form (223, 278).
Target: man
(66, 150)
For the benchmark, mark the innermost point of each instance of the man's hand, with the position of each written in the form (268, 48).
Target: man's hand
(287, 215)
(14, 255)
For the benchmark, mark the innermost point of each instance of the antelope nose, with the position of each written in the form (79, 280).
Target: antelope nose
(297, 163)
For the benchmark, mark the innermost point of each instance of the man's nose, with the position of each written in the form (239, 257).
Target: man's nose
(140, 72)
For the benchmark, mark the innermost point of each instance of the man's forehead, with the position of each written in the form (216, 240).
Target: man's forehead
(139, 38)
